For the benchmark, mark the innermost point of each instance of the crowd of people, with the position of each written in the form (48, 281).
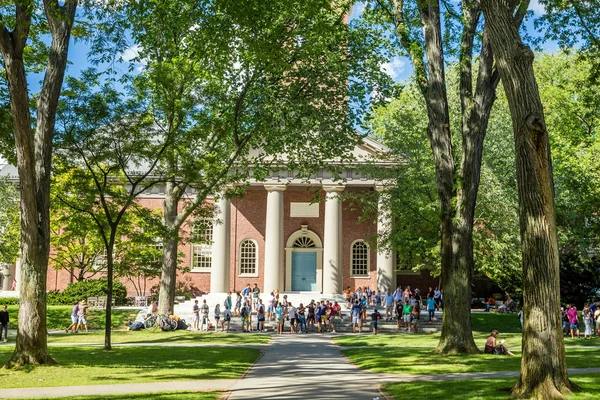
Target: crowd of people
(402, 306)
(590, 315)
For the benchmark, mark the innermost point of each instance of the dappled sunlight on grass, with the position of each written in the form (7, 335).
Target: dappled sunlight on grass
(482, 389)
(158, 336)
(424, 361)
(86, 366)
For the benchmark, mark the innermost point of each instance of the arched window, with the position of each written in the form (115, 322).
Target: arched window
(360, 257)
(248, 257)
(304, 243)
(202, 232)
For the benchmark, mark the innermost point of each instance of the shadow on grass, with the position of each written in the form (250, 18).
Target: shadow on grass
(482, 389)
(424, 361)
(87, 366)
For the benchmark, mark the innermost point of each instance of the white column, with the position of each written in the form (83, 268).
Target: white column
(221, 261)
(332, 240)
(386, 274)
(274, 245)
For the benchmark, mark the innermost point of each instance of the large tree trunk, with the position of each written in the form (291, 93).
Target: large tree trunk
(166, 297)
(34, 155)
(109, 278)
(457, 336)
(543, 364)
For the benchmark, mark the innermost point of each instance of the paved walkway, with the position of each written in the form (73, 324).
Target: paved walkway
(292, 367)
(303, 367)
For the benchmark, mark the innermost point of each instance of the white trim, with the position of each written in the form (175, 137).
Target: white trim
(289, 250)
(239, 263)
(368, 275)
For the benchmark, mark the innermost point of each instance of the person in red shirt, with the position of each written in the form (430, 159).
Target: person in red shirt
(336, 312)
(490, 303)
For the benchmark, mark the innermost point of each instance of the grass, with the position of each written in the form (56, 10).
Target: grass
(482, 323)
(158, 336)
(155, 396)
(482, 389)
(424, 361)
(59, 317)
(92, 366)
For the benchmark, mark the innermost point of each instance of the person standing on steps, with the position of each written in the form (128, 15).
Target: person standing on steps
(292, 314)
(336, 312)
(279, 316)
(310, 320)
(217, 315)
(437, 296)
(406, 312)
(302, 318)
(356, 313)
(196, 315)
(389, 304)
(431, 308)
(4, 321)
(260, 316)
(255, 295)
(204, 311)
(375, 316)
(226, 318)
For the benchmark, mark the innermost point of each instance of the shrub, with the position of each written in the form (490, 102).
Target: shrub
(84, 289)
(9, 301)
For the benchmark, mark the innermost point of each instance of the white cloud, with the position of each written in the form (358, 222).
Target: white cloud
(357, 9)
(131, 53)
(537, 8)
(394, 68)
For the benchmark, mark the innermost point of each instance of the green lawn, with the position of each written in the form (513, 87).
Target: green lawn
(482, 389)
(424, 361)
(154, 396)
(158, 336)
(92, 366)
(59, 317)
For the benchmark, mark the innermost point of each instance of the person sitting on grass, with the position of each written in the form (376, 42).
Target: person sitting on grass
(492, 347)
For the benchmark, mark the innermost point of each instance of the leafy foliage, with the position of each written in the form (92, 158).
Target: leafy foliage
(10, 226)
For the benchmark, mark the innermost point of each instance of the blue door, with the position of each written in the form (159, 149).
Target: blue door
(304, 271)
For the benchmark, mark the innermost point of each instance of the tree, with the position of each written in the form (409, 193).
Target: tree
(543, 363)
(34, 155)
(225, 79)
(9, 222)
(109, 148)
(417, 26)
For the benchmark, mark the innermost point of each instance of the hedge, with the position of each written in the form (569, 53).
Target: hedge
(82, 290)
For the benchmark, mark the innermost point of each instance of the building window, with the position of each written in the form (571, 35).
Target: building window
(304, 242)
(360, 259)
(202, 232)
(248, 257)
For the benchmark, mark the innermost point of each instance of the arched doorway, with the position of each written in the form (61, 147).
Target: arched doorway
(304, 262)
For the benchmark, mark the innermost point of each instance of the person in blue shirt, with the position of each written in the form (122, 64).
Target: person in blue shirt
(356, 312)
(431, 308)
(389, 305)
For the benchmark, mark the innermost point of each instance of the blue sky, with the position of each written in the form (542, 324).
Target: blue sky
(400, 68)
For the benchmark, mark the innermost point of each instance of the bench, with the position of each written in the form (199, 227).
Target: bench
(141, 301)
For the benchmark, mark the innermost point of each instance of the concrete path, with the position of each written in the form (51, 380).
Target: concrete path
(121, 388)
(162, 344)
(303, 367)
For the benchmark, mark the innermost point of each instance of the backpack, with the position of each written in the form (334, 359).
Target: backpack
(244, 312)
(168, 324)
(181, 324)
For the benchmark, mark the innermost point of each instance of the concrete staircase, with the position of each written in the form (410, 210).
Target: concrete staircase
(184, 310)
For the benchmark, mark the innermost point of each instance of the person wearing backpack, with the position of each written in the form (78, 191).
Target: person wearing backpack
(245, 313)
(226, 318)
